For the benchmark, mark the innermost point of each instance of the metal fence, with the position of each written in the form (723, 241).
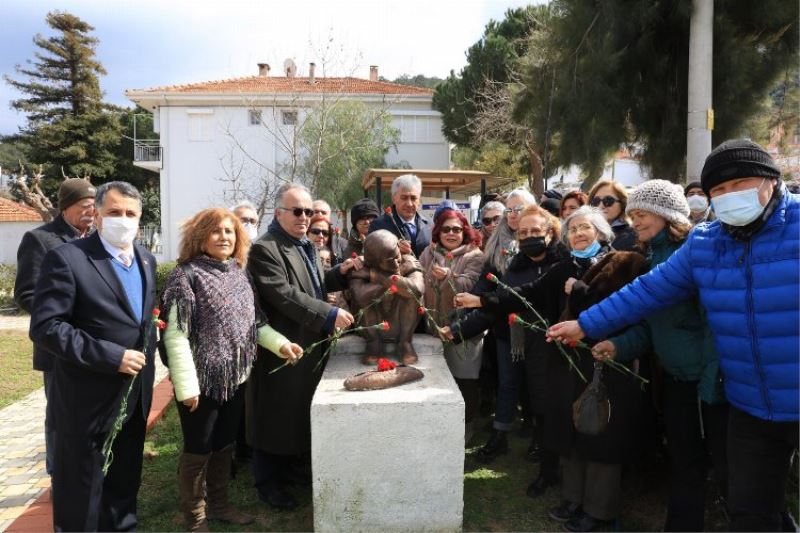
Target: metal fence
(147, 150)
(150, 238)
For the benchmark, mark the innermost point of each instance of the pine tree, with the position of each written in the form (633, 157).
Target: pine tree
(69, 127)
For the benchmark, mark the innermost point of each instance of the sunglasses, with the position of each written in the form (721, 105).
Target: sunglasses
(517, 210)
(452, 229)
(491, 220)
(607, 201)
(317, 231)
(298, 211)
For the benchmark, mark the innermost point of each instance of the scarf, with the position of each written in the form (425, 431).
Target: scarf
(307, 251)
(219, 317)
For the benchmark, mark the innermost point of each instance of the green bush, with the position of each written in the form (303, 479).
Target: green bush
(162, 271)
(8, 274)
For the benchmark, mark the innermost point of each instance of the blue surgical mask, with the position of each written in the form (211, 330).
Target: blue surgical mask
(738, 208)
(589, 251)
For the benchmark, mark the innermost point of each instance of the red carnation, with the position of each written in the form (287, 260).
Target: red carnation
(394, 277)
(393, 289)
(504, 252)
(156, 312)
(384, 365)
(388, 210)
(512, 319)
(384, 326)
(336, 230)
(161, 324)
(449, 256)
(491, 277)
(354, 255)
(421, 310)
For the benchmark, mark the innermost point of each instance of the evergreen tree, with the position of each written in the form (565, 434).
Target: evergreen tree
(69, 127)
(620, 69)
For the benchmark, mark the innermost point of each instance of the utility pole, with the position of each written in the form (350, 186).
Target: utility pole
(700, 116)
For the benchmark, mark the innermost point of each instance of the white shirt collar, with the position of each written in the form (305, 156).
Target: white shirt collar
(115, 252)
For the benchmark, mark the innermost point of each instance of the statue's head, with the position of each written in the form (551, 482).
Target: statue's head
(381, 251)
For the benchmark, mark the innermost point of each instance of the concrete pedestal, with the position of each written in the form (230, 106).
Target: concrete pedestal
(388, 460)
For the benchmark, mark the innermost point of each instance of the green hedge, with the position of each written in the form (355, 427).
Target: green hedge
(162, 271)
(8, 275)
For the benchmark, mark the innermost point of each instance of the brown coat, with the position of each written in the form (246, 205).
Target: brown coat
(465, 268)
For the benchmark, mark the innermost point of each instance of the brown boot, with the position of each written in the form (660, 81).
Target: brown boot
(217, 481)
(191, 485)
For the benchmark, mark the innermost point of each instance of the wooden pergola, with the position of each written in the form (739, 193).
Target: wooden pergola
(463, 182)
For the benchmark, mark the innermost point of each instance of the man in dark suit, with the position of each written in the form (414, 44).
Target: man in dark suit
(75, 218)
(403, 219)
(92, 312)
(288, 276)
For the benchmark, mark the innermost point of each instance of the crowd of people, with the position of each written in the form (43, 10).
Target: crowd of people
(692, 290)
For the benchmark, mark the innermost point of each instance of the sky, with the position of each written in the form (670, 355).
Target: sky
(149, 43)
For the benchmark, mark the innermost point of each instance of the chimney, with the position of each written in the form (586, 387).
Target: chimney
(263, 69)
(373, 73)
(311, 67)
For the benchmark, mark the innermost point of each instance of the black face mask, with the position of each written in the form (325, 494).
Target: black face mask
(533, 246)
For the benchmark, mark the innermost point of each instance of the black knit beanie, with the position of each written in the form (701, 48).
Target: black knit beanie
(692, 185)
(737, 158)
(362, 209)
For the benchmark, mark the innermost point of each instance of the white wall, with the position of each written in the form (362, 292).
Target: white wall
(10, 236)
(203, 144)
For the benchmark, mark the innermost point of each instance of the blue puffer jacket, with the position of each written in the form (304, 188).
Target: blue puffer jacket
(750, 292)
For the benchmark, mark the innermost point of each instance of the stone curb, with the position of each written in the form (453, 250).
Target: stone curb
(39, 515)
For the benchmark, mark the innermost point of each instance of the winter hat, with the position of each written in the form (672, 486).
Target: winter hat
(444, 206)
(551, 205)
(661, 197)
(362, 209)
(73, 190)
(552, 193)
(737, 158)
(692, 185)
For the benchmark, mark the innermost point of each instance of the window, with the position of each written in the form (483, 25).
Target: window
(418, 128)
(289, 118)
(254, 117)
(200, 123)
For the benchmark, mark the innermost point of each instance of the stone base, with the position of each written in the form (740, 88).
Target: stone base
(392, 459)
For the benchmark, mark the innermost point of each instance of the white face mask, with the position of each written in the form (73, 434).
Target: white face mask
(119, 231)
(697, 203)
(252, 231)
(739, 208)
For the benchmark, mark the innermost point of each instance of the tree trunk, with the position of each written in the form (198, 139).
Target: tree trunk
(535, 180)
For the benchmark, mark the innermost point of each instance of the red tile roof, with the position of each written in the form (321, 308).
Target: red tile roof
(285, 85)
(11, 211)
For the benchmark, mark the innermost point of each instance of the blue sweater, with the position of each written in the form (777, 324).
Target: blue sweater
(131, 279)
(750, 291)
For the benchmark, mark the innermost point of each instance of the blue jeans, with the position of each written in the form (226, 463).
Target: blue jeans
(508, 377)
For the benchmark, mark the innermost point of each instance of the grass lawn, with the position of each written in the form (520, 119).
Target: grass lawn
(16, 360)
(494, 495)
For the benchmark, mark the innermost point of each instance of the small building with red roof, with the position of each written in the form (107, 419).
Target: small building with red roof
(15, 220)
(220, 140)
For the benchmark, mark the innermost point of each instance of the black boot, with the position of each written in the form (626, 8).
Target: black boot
(495, 446)
(540, 485)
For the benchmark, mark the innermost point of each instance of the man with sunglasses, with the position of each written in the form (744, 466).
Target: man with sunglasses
(403, 219)
(291, 288)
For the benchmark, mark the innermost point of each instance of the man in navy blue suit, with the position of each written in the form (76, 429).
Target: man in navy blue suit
(92, 310)
(403, 219)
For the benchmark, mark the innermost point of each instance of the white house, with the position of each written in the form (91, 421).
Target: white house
(15, 220)
(218, 136)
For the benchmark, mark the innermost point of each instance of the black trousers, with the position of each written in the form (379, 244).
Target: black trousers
(687, 448)
(759, 453)
(85, 500)
(213, 425)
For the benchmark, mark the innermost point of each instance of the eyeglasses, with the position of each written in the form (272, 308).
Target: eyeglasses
(320, 212)
(607, 201)
(317, 231)
(298, 211)
(516, 210)
(246, 220)
(452, 229)
(580, 227)
(490, 221)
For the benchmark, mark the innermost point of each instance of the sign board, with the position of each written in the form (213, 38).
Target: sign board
(432, 207)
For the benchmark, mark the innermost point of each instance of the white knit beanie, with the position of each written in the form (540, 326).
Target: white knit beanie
(661, 197)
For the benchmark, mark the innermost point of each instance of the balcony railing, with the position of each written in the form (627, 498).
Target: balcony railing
(147, 151)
